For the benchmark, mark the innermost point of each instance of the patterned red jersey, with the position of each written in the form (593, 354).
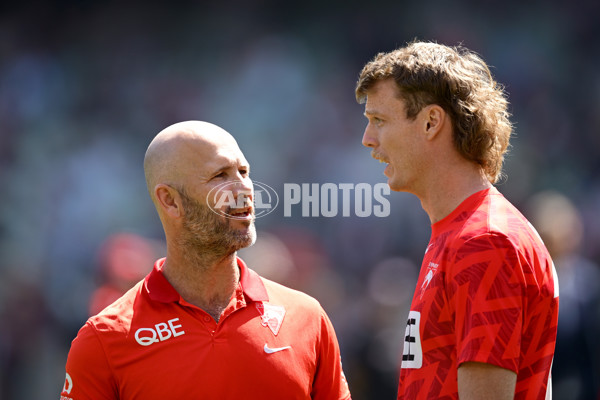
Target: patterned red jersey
(487, 292)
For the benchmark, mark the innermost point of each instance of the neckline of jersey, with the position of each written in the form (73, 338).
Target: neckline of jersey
(159, 289)
(467, 205)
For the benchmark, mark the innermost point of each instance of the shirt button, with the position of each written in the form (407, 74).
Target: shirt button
(206, 318)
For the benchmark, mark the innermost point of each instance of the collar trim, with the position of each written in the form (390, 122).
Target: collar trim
(159, 289)
(251, 282)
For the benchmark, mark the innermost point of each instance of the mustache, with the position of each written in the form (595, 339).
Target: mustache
(378, 156)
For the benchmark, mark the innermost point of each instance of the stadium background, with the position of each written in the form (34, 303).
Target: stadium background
(85, 85)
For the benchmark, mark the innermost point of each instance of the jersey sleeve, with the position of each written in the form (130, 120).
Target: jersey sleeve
(329, 381)
(88, 373)
(486, 293)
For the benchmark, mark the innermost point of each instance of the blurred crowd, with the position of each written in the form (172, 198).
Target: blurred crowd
(85, 86)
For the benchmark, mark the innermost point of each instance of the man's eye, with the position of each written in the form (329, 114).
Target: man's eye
(220, 175)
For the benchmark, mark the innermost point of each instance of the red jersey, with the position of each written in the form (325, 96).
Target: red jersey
(487, 292)
(271, 342)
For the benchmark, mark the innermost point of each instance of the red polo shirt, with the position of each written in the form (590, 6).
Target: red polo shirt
(271, 342)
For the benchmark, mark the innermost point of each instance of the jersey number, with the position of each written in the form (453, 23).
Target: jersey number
(412, 355)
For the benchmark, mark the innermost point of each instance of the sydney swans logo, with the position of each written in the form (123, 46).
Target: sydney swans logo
(222, 201)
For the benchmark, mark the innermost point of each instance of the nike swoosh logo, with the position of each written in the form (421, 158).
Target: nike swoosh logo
(269, 350)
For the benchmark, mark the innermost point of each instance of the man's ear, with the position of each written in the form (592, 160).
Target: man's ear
(169, 200)
(434, 118)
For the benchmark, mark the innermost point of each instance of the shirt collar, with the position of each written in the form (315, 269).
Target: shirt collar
(252, 284)
(469, 204)
(159, 289)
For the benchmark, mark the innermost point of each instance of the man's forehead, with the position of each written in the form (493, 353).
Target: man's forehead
(209, 161)
(383, 88)
(382, 96)
(231, 158)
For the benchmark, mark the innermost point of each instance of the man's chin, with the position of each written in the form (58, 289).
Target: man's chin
(247, 238)
(397, 185)
(242, 222)
(394, 185)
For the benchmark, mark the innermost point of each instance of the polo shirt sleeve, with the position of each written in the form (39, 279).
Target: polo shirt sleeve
(329, 381)
(89, 375)
(487, 292)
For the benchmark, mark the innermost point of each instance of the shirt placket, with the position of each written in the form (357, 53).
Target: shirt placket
(236, 303)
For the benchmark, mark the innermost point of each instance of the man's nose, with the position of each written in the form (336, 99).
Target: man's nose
(243, 188)
(369, 139)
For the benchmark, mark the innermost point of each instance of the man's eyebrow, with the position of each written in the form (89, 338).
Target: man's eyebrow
(223, 165)
(218, 171)
(231, 165)
(371, 113)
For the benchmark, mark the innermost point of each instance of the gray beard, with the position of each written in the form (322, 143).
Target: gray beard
(209, 237)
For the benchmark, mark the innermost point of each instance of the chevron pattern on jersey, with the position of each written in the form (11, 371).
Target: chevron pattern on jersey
(485, 293)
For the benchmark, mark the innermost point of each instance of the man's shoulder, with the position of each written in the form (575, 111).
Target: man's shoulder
(496, 223)
(118, 315)
(289, 297)
(495, 216)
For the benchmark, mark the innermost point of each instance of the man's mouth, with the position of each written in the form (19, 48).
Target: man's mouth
(379, 157)
(241, 213)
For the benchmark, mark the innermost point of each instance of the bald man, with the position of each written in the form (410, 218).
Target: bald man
(202, 324)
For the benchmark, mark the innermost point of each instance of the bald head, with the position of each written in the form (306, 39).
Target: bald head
(186, 150)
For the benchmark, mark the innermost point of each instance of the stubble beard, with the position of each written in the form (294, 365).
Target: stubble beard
(209, 237)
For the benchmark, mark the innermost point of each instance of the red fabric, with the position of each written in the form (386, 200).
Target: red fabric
(182, 353)
(486, 293)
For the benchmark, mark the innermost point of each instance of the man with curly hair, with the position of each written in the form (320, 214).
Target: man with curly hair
(483, 319)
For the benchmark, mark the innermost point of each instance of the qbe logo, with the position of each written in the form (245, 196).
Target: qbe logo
(161, 332)
(263, 198)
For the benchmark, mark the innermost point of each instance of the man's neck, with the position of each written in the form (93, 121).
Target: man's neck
(448, 190)
(206, 282)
